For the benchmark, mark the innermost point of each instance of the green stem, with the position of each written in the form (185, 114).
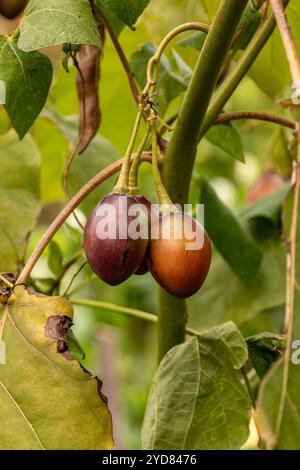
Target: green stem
(133, 173)
(180, 156)
(232, 81)
(162, 194)
(122, 183)
(131, 312)
(155, 60)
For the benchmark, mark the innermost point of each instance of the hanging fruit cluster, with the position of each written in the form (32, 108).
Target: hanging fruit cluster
(173, 260)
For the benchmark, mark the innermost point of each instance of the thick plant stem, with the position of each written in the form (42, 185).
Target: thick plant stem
(172, 319)
(180, 156)
(232, 81)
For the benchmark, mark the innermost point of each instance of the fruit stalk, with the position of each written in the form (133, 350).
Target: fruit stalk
(180, 156)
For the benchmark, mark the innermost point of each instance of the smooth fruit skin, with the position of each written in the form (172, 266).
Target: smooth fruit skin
(143, 269)
(114, 260)
(264, 185)
(178, 269)
(12, 8)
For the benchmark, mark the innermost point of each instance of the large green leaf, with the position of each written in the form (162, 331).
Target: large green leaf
(227, 138)
(27, 78)
(19, 197)
(47, 401)
(169, 84)
(98, 155)
(50, 22)
(127, 10)
(196, 401)
(229, 236)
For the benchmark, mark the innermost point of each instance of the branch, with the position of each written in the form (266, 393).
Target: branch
(67, 210)
(260, 116)
(236, 115)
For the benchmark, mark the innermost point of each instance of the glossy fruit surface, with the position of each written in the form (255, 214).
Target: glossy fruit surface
(178, 268)
(111, 250)
(143, 269)
(12, 8)
(264, 185)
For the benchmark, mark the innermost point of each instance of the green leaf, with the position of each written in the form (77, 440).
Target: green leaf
(55, 390)
(19, 197)
(268, 403)
(268, 207)
(230, 238)
(195, 40)
(225, 297)
(55, 258)
(273, 391)
(50, 22)
(275, 64)
(227, 138)
(169, 84)
(127, 10)
(114, 21)
(196, 400)
(98, 155)
(27, 78)
(264, 349)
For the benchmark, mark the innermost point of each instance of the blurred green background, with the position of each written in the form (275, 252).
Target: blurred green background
(122, 350)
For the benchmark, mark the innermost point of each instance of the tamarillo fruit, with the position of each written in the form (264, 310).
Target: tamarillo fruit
(12, 8)
(176, 267)
(115, 259)
(267, 182)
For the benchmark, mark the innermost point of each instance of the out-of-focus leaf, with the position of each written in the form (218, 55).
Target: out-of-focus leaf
(55, 258)
(19, 197)
(169, 84)
(231, 239)
(264, 349)
(268, 207)
(271, 397)
(98, 155)
(184, 70)
(224, 297)
(196, 400)
(27, 78)
(50, 22)
(249, 23)
(276, 64)
(281, 157)
(227, 138)
(127, 10)
(53, 153)
(268, 403)
(195, 40)
(40, 388)
(247, 27)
